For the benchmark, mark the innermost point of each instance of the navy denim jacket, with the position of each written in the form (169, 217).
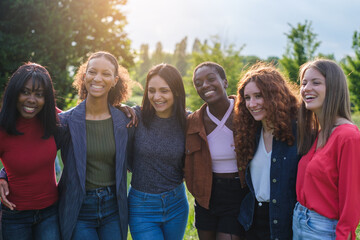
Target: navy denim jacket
(283, 170)
(72, 141)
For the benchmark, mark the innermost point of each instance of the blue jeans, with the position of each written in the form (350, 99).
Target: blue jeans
(310, 225)
(40, 224)
(158, 216)
(99, 216)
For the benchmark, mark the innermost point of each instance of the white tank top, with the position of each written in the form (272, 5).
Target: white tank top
(221, 144)
(260, 171)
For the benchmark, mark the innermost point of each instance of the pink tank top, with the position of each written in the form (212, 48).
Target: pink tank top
(221, 144)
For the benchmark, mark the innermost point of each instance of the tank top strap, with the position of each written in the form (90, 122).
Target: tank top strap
(225, 117)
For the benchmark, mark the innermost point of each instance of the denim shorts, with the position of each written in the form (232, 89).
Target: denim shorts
(40, 224)
(310, 225)
(158, 216)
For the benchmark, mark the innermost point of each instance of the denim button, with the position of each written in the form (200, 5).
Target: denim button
(274, 159)
(275, 221)
(274, 200)
(274, 180)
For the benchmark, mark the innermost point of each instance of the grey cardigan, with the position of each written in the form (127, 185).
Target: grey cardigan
(72, 141)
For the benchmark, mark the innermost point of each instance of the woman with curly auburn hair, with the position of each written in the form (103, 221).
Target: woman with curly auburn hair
(327, 184)
(265, 143)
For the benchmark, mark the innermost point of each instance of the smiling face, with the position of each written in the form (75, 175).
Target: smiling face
(99, 77)
(209, 85)
(31, 100)
(160, 96)
(254, 101)
(313, 90)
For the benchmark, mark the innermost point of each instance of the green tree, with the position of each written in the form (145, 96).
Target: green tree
(196, 45)
(180, 57)
(59, 34)
(158, 56)
(351, 68)
(227, 56)
(145, 63)
(301, 47)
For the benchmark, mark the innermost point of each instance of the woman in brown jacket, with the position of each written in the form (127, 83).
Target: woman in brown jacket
(211, 170)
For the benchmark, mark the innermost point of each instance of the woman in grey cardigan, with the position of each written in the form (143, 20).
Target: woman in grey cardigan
(93, 140)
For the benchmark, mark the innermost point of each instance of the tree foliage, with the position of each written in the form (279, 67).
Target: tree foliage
(59, 34)
(352, 70)
(180, 56)
(301, 47)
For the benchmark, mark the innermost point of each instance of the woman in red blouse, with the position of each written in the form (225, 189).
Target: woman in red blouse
(328, 183)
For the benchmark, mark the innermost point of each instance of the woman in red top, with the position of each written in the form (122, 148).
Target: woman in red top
(28, 123)
(328, 183)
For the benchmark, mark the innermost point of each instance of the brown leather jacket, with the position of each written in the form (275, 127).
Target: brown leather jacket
(198, 168)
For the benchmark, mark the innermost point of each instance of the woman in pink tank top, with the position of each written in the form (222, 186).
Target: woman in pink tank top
(211, 169)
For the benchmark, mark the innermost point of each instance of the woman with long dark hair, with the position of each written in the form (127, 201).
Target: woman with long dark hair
(328, 183)
(158, 207)
(28, 123)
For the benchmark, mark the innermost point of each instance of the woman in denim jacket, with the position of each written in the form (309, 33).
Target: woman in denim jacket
(265, 142)
(93, 141)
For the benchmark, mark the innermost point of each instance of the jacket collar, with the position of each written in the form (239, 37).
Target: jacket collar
(196, 119)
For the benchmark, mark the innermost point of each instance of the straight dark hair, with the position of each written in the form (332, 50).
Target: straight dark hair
(173, 78)
(9, 113)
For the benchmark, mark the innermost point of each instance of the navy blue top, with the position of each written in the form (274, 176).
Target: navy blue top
(283, 170)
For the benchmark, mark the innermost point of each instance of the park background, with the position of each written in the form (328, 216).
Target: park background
(60, 34)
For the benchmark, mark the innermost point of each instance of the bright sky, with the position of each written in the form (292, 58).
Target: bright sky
(259, 24)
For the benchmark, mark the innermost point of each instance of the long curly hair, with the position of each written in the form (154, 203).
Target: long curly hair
(117, 94)
(280, 104)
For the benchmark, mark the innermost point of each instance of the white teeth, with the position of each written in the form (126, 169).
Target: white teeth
(29, 109)
(256, 111)
(208, 93)
(97, 87)
(309, 96)
(159, 102)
